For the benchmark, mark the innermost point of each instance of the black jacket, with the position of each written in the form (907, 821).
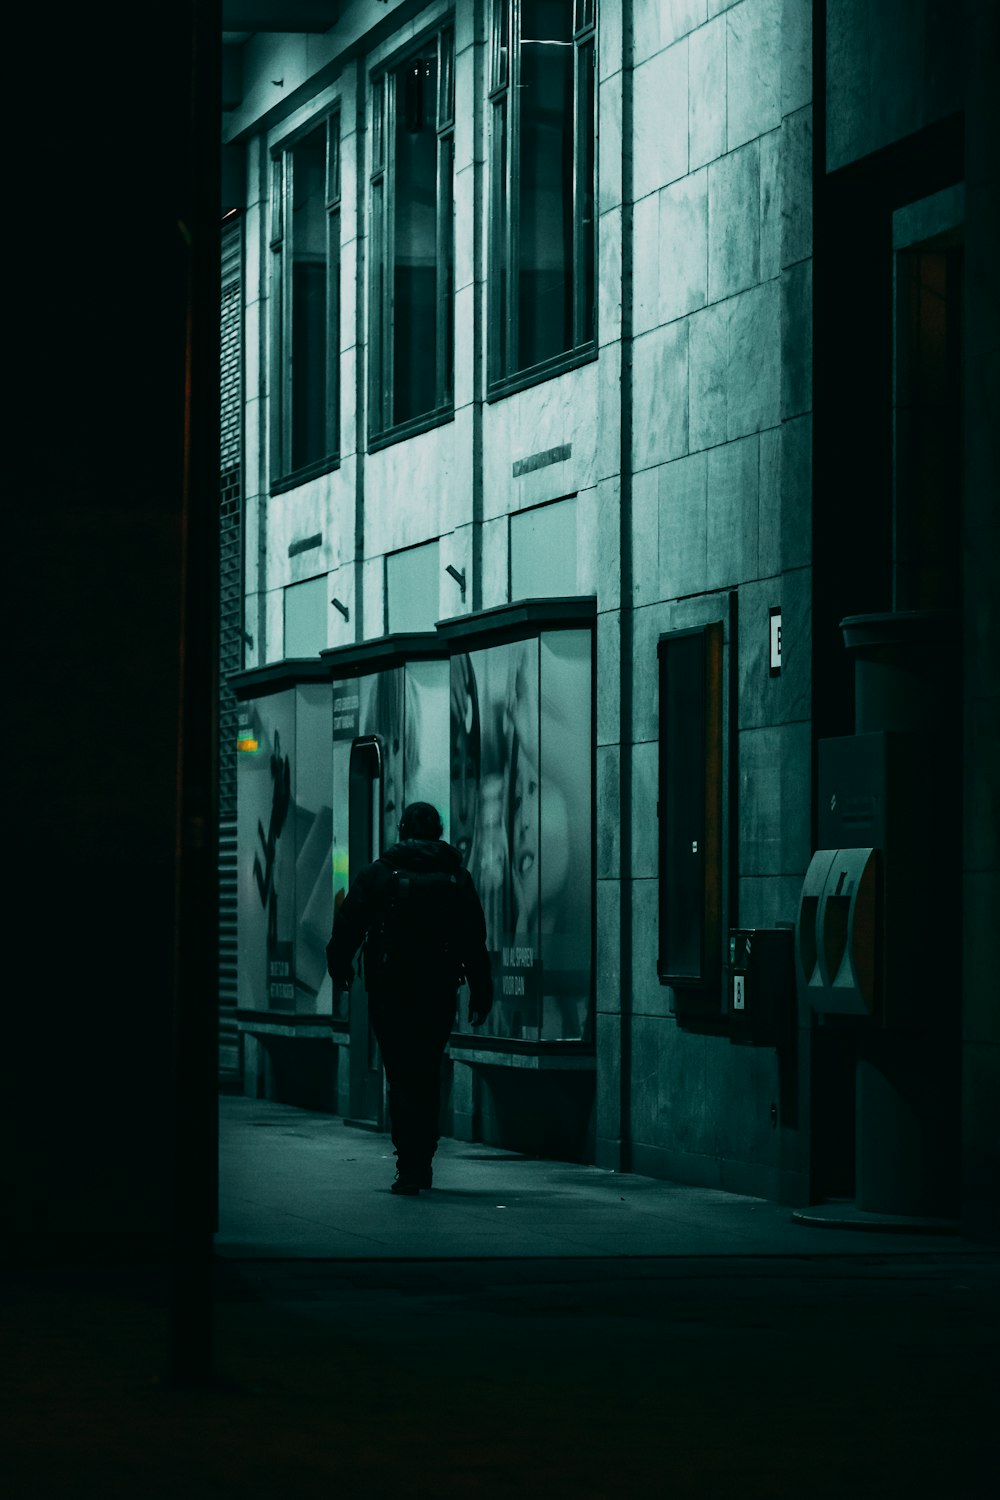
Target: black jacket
(361, 905)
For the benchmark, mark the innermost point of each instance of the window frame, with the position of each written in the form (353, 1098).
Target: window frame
(382, 429)
(283, 474)
(504, 376)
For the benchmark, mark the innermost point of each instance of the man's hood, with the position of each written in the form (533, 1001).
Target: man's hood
(431, 855)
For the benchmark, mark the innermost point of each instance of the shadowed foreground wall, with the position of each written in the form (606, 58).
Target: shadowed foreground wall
(104, 851)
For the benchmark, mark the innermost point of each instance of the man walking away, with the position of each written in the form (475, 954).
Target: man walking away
(419, 917)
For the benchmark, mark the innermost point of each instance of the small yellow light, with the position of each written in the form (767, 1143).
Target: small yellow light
(247, 744)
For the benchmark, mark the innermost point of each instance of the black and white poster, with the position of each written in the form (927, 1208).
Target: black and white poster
(521, 819)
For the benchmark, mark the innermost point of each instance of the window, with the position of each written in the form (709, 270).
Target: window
(690, 806)
(542, 171)
(305, 304)
(412, 252)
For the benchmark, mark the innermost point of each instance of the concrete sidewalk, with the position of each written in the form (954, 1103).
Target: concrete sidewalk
(528, 1328)
(294, 1184)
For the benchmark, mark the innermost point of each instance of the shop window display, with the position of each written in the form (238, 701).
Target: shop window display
(285, 835)
(499, 740)
(521, 818)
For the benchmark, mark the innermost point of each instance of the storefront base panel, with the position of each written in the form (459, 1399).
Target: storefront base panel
(608, 1154)
(533, 1111)
(753, 1179)
(307, 1072)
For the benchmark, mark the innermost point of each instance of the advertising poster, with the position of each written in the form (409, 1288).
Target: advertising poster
(494, 818)
(314, 850)
(564, 891)
(381, 712)
(285, 895)
(500, 741)
(346, 722)
(426, 726)
(266, 829)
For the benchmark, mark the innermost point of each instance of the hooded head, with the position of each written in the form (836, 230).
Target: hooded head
(421, 820)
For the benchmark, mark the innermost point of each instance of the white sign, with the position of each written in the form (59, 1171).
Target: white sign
(775, 641)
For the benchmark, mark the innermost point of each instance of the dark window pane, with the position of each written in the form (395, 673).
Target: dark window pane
(546, 21)
(545, 269)
(279, 366)
(277, 199)
(585, 196)
(378, 124)
(333, 412)
(415, 258)
(309, 309)
(333, 183)
(498, 281)
(501, 44)
(446, 272)
(446, 104)
(377, 308)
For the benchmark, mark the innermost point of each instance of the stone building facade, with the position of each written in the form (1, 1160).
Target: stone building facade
(531, 529)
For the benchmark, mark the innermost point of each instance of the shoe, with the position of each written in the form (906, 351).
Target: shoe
(406, 1185)
(425, 1177)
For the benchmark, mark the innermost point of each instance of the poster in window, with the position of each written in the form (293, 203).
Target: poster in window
(381, 713)
(494, 817)
(565, 834)
(314, 850)
(426, 736)
(266, 874)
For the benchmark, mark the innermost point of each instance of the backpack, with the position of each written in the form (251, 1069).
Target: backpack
(414, 936)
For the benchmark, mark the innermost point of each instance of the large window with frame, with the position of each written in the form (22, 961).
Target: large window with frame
(305, 303)
(412, 250)
(543, 130)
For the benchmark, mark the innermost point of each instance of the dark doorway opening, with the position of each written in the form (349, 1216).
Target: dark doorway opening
(365, 843)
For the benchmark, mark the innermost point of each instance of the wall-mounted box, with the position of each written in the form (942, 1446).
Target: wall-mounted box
(760, 988)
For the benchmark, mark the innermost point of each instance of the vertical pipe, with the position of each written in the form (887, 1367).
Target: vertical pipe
(819, 197)
(627, 610)
(732, 817)
(268, 390)
(361, 345)
(480, 64)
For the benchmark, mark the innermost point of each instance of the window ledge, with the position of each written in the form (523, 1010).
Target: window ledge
(274, 677)
(512, 1052)
(518, 620)
(405, 430)
(303, 475)
(511, 384)
(291, 1023)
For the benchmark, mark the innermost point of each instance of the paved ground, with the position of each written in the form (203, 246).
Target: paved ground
(295, 1183)
(650, 1341)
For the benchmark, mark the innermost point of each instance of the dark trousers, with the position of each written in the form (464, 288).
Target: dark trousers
(412, 1027)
